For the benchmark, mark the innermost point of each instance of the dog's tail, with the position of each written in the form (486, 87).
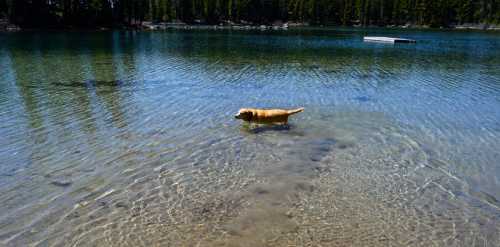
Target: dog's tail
(296, 110)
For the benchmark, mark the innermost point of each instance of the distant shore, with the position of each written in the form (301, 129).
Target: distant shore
(227, 25)
(287, 25)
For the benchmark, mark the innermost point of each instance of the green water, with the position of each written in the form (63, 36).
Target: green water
(129, 139)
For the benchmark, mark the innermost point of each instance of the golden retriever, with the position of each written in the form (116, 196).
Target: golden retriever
(266, 116)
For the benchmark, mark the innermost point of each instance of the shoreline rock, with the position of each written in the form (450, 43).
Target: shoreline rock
(278, 25)
(471, 26)
(6, 26)
(223, 25)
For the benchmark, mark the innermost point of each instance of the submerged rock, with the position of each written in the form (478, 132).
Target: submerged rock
(88, 83)
(362, 98)
(61, 183)
(320, 148)
(121, 205)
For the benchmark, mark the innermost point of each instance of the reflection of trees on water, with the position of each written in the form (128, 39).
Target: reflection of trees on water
(23, 67)
(106, 84)
(66, 83)
(340, 55)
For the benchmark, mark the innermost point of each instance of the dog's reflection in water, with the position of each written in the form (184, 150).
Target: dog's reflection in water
(261, 128)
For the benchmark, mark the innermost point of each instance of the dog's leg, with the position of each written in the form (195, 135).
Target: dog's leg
(252, 125)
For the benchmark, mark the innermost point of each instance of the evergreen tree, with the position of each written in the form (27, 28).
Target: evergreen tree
(338, 12)
(3, 9)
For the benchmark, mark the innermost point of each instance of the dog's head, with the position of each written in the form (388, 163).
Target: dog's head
(244, 114)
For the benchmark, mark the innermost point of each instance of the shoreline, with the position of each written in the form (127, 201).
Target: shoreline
(149, 26)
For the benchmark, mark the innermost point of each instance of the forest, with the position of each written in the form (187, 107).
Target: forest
(113, 13)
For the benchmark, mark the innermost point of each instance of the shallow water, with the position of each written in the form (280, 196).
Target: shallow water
(128, 139)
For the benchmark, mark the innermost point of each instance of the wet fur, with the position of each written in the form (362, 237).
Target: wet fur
(266, 116)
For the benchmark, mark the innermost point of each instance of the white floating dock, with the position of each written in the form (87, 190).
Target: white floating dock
(388, 40)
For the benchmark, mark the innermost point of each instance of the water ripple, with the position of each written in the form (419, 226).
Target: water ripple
(128, 138)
